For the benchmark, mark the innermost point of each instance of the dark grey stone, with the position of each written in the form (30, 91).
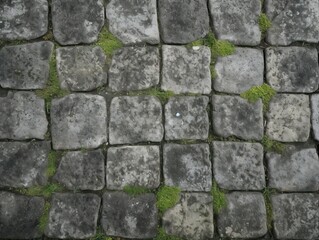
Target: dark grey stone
(315, 115)
(129, 217)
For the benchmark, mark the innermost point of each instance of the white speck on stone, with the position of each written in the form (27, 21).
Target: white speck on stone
(178, 115)
(196, 48)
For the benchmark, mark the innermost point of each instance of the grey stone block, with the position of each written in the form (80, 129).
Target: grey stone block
(315, 115)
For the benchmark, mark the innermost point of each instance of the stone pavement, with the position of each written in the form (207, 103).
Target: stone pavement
(110, 110)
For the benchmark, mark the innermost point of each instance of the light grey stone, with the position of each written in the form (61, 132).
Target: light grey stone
(239, 166)
(244, 216)
(77, 21)
(187, 167)
(25, 66)
(289, 118)
(81, 68)
(186, 70)
(296, 215)
(240, 71)
(133, 21)
(292, 69)
(135, 119)
(191, 218)
(236, 21)
(134, 68)
(235, 116)
(133, 166)
(292, 21)
(78, 121)
(22, 116)
(315, 115)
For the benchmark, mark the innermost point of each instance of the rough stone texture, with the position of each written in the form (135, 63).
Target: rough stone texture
(186, 118)
(239, 166)
(191, 218)
(236, 21)
(292, 69)
(296, 215)
(22, 116)
(240, 71)
(19, 216)
(25, 66)
(315, 115)
(187, 167)
(186, 70)
(78, 121)
(133, 21)
(133, 166)
(82, 170)
(183, 21)
(77, 21)
(129, 217)
(244, 216)
(135, 119)
(289, 118)
(81, 68)
(235, 116)
(292, 21)
(73, 215)
(20, 19)
(134, 68)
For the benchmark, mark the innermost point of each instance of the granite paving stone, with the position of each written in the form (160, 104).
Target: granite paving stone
(315, 115)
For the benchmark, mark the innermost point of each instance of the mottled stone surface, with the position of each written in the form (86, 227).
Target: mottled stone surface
(244, 216)
(19, 216)
(20, 19)
(235, 116)
(296, 215)
(77, 21)
(186, 70)
(191, 218)
(25, 66)
(315, 115)
(289, 118)
(135, 119)
(187, 167)
(292, 69)
(292, 21)
(22, 116)
(133, 166)
(129, 217)
(133, 21)
(240, 71)
(236, 21)
(78, 121)
(81, 68)
(239, 166)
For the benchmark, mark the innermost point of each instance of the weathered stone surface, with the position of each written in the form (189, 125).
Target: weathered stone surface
(135, 119)
(244, 216)
(183, 21)
(292, 21)
(19, 216)
(78, 121)
(25, 66)
(77, 21)
(129, 217)
(315, 115)
(239, 166)
(134, 68)
(240, 71)
(191, 218)
(292, 69)
(296, 215)
(133, 21)
(289, 118)
(235, 116)
(22, 116)
(81, 68)
(186, 70)
(133, 166)
(187, 167)
(236, 21)
(20, 19)
(82, 170)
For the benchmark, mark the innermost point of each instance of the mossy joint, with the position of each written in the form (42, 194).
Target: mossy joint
(264, 23)
(108, 42)
(44, 191)
(272, 145)
(219, 198)
(162, 95)
(162, 235)
(167, 197)
(43, 222)
(100, 235)
(267, 197)
(135, 190)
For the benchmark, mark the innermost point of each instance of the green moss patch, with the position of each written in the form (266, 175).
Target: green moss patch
(100, 235)
(267, 194)
(163, 96)
(43, 222)
(108, 42)
(219, 198)
(272, 145)
(45, 191)
(135, 190)
(167, 197)
(264, 23)
(161, 235)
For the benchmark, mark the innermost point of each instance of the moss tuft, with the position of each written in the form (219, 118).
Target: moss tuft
(272, 145)
(45, 191)
(135, 190)
(163, 96)
(219, 198)
(264, 23)
(52, 163)
(162, 235)
(43, 222)
(108, 42)
(100, 235)
(167, 197)
(267, 194)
